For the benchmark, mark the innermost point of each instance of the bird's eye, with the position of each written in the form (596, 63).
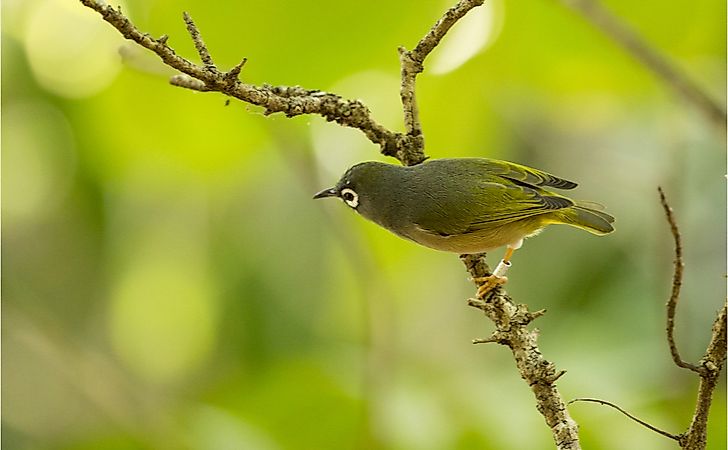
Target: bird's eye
(350, 197)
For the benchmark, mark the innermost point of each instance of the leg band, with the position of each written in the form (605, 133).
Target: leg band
(501, 268)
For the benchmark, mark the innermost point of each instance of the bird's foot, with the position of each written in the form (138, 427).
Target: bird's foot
(498, 278)
(487, 284)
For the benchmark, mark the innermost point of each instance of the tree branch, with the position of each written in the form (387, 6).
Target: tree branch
(676, 284)
(511, 321)
(292, 101)
(199, 43)
(674, 437)
(411, 63)
(653, 60)
(711, 364)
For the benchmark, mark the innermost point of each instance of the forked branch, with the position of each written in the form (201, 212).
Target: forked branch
(291, 101)
(709, 366)
(511, 319)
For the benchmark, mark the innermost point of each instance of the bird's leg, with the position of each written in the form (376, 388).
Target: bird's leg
(498, 277)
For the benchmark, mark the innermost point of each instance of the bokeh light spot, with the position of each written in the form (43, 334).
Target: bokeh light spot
(38, 159)
(337, 147)
(71, 51)
(467, 38)
(163, 317)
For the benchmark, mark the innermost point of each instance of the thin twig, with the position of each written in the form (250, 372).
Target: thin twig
(497, 337)
(232, 75)
(187, 82)
(274, 99)
(556, 376)
(674, 437)
(676, 285)
(411, 63)
(199, 43)
(652, 59)
(488, 340)
(711, 364)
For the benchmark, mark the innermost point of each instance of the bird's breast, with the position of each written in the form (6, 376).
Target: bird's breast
(484, 240)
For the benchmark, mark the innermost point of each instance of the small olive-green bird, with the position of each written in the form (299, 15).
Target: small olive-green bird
(465, 205)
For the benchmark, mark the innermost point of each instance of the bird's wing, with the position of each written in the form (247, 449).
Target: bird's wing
(508, 203)
(489, 204)
(525, 175)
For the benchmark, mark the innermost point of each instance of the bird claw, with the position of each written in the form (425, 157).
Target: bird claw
(487, 284)
(496, 279)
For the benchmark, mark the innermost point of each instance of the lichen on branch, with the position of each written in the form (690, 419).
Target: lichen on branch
(512, 320)
(291, 101)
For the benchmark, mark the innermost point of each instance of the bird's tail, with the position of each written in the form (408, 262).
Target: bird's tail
(587, 216)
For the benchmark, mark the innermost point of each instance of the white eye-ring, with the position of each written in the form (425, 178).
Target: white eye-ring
(350, 197)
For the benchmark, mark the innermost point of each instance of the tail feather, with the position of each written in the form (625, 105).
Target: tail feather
(595, 208)
(586, 218)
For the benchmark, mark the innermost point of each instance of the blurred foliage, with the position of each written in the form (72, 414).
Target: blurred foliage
(168, 282)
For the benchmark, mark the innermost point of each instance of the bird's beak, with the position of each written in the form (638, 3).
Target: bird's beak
(330, 192)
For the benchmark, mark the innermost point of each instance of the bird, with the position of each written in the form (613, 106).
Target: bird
(465, 205)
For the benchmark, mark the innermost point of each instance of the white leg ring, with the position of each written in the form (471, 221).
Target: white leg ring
(501, 268)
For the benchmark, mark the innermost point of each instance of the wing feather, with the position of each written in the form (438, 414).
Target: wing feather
(526, 175)
(471, 194)
(527, 202)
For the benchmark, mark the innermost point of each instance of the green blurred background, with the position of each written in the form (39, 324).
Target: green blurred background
(168, 283)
